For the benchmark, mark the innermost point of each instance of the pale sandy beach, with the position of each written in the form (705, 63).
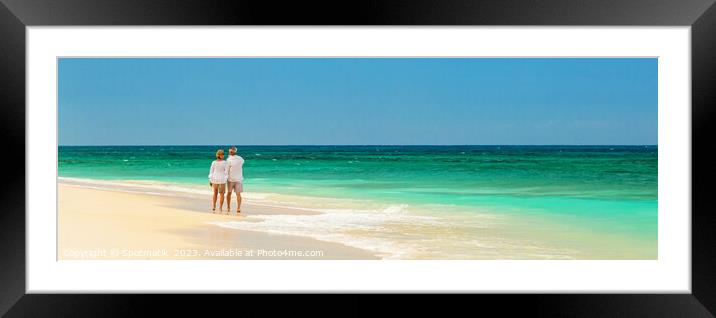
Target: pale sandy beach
(103, 224)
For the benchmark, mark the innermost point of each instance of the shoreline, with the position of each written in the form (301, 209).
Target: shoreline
(345, 228)
(116, 224)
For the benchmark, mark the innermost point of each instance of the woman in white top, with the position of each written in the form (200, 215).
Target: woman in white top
(218, 175)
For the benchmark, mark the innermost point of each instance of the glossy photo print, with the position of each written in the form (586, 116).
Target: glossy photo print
(358, 158)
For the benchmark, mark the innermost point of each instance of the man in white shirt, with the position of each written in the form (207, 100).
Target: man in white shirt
(236, 178)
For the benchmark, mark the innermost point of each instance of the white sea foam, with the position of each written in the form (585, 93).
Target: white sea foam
(134, 186)
(362, 228)
(151, 187)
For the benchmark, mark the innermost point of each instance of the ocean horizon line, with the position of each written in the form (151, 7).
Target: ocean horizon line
(365, 145)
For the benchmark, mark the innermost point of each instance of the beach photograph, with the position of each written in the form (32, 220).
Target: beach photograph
(357, 158)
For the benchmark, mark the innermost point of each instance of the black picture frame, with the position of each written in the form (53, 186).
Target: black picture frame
(700, 15)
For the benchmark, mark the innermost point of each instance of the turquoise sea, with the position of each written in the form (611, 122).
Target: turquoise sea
(415, 202)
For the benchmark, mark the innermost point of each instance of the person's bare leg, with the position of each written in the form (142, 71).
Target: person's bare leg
(228, 200)
(213, 201)
(238, 202)
(221, 202)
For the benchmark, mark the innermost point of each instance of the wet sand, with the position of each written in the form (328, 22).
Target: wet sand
(106, 224)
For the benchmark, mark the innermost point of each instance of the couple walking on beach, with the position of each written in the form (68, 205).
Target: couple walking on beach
(227, 172)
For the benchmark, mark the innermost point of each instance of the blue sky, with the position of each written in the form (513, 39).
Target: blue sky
(285, 101)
